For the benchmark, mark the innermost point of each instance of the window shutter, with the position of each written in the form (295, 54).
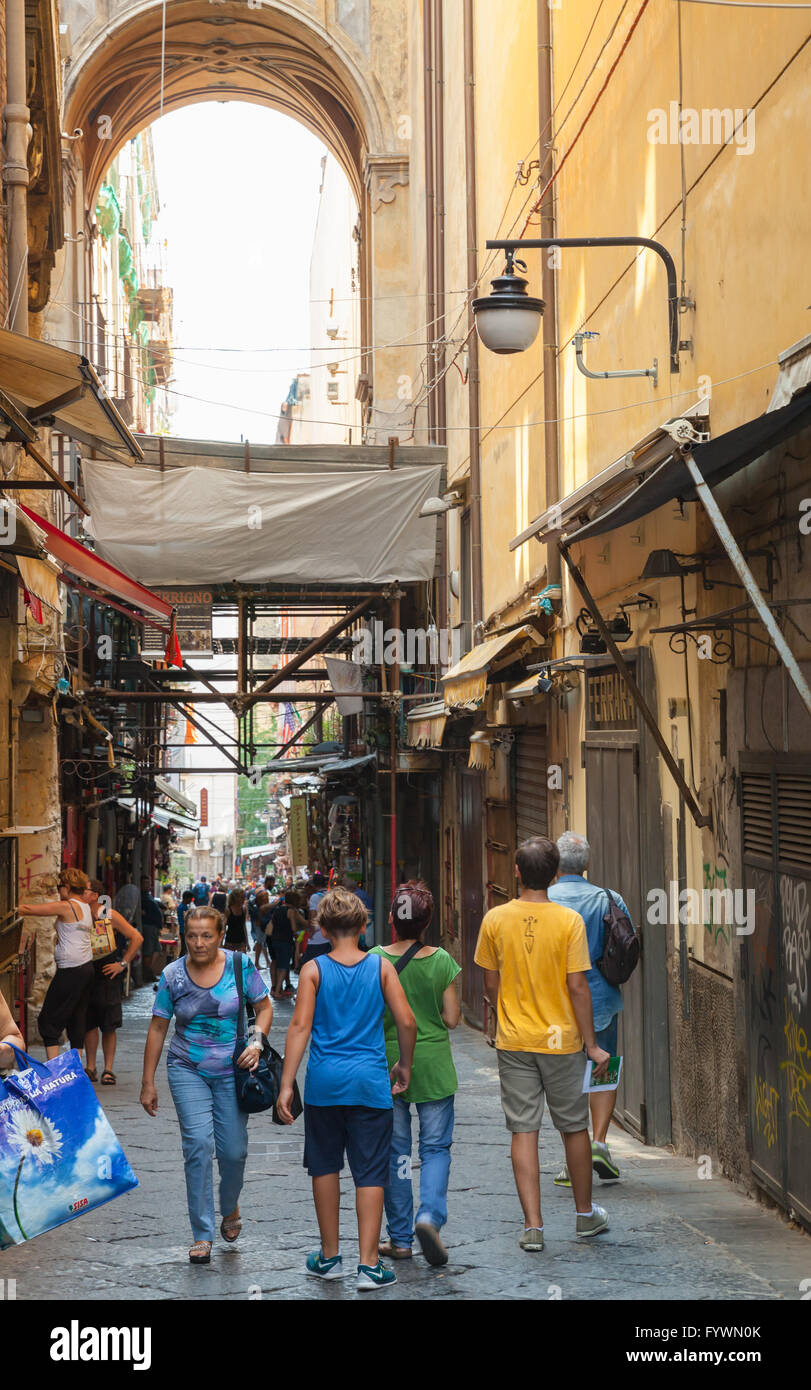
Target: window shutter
(758, 835)
(794, 819)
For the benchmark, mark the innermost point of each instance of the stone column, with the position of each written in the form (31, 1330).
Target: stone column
(394, 371)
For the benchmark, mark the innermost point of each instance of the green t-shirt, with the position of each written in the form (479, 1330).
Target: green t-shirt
(425, 979)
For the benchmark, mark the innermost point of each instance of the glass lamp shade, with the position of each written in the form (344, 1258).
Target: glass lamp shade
(508, 319)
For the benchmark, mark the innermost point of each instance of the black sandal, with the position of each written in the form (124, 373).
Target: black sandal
(90, 1073)
(200, 1253)
(113, 1079)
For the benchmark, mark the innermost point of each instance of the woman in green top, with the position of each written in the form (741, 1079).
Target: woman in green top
(427, 977)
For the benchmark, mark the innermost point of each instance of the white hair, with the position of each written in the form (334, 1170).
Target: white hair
(574, 853)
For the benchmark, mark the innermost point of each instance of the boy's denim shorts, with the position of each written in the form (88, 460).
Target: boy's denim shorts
(359, 1131)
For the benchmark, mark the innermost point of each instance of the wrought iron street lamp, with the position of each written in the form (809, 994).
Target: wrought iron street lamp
(507, 319)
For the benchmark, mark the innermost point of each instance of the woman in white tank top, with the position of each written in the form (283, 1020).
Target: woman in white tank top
(65, 1004)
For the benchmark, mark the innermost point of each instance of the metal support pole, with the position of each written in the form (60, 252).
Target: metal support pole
(701, 819)
(747, 579)
(312, 648)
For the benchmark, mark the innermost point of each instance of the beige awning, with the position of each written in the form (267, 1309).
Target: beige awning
(426, 725)
(466, 682)
(52, 385)
(40, 578)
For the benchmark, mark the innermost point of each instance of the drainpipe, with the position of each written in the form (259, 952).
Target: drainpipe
(548, 278)
(474, 418)
(16, 117)
(439, 203)
(430, 205)
(437, 331)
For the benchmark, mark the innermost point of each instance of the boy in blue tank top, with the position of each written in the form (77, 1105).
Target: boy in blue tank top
(348, 1088)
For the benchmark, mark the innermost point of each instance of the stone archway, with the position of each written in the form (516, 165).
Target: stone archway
(342, 74)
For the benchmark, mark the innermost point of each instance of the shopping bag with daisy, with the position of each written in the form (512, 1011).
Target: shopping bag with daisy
(59, 1156)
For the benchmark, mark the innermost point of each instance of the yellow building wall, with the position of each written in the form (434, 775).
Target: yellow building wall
(746, 238)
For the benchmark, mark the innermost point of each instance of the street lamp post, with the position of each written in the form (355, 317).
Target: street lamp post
(508, 319)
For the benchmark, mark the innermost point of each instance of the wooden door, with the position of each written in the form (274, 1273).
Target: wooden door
(612, 798)
(471, 844)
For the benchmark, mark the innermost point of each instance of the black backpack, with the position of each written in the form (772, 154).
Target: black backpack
(620, 945)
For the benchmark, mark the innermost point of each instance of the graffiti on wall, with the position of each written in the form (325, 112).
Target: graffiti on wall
(794, 912)
(715, 877)
(767, 1101)
(797, 1067)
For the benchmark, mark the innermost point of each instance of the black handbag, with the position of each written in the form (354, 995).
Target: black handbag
(258, 1090)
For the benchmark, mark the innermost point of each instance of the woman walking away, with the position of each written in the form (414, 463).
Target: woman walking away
(104, 1006)
(285, 923)
(200, 990)
(236, 922)
(260, 921)
(348, 1091)
(426, 975)
(65, 1004)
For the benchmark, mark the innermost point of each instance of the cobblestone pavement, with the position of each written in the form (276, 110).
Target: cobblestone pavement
(672, 1235)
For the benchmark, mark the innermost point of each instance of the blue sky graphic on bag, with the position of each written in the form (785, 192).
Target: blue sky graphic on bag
(59, 1156)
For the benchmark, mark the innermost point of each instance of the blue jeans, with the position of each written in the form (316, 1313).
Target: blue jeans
(210, 1122)
(436, 1136)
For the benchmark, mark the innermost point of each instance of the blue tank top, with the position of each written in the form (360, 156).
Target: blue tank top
(347, 1062)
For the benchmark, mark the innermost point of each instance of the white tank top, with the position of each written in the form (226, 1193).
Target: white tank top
(73, 937)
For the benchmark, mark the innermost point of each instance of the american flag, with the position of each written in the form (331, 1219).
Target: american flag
(292, 719)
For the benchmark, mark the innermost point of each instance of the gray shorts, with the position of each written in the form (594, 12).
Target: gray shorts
(526, 1077)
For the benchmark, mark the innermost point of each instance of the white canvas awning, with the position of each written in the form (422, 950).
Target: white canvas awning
(215, 525)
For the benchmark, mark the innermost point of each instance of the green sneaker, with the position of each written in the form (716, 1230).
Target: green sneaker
(594, 1223)
(532, 1239)
(320, 1268)
(563, 1179)
(375, 1276)
(603, 1164)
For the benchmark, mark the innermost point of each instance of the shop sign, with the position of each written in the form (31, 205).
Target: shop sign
(608, 702)
(204, 806)
(193, 620)
(297, 831)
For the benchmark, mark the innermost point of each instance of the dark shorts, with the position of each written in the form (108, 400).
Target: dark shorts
(104, 1008)
(363, 1133)
(282, 952)
(65, 1005)
(607, 1037)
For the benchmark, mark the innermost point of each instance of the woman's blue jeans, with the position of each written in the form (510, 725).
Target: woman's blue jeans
(436, 1136)
(210, 1122)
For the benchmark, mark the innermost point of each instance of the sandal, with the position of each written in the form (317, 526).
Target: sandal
(231, 1227)
(90, 1073)
(200, 1253)
(394, 1252)
(108, 1078)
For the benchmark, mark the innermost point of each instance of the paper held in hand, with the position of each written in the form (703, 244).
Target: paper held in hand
(610, 1079)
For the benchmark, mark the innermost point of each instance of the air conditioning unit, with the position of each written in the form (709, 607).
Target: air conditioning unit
(334, 392)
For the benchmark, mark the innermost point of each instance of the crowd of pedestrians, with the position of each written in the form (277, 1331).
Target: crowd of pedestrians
(376, 1026)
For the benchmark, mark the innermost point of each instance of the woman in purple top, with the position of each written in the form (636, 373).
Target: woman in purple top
(199, 990)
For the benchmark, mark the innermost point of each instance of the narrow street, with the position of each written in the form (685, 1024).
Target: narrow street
(672, 1235)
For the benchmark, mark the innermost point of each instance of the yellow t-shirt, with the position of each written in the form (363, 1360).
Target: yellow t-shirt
(534, 946)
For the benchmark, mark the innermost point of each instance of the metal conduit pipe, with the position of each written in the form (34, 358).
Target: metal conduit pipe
(430, 205)
(474, 415)
(548, 278)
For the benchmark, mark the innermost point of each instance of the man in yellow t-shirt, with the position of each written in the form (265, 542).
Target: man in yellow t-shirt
(535, 956)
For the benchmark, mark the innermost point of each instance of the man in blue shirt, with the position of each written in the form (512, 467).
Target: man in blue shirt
(573, 890)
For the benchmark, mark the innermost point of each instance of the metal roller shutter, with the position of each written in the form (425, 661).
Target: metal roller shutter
(530, 785)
